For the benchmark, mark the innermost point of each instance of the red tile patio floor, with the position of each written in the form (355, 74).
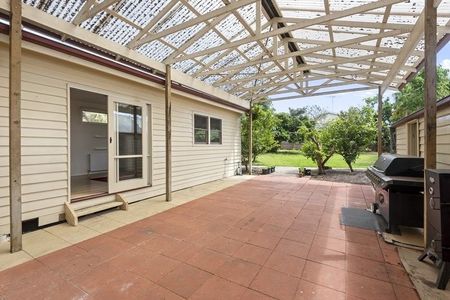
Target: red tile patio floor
(270, 237)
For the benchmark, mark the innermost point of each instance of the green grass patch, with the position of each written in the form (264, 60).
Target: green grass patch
(294, 158)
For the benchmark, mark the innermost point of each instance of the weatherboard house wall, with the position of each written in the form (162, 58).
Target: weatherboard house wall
(46, 78)
(442, 133)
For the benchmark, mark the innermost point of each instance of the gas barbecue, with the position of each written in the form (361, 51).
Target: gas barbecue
(398, 182)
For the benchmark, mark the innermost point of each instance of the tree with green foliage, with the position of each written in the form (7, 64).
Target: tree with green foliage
(386, 115)
(288, 125)
(410, 98)
(351, 133)
(316, 136)
(314, 146)
(264, 123)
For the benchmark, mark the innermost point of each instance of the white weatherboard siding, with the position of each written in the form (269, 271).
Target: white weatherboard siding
(442, 138)
(45, 135)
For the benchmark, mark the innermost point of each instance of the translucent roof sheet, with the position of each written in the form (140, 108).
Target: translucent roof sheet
(248, 51)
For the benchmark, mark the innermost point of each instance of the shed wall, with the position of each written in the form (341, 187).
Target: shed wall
(442, 138)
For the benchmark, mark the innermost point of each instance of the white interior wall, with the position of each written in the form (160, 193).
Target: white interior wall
(87, 138)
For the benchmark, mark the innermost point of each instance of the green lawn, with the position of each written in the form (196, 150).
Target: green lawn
(292, 158)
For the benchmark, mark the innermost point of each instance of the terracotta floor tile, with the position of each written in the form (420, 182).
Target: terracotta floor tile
(367, 267)
(328, 257)
(398, 275)
(97, 277)
(293, 248)
(373, 253)
(275, 284)
(286, 263)
(406, 293)
(225, 245)
(310, 291)
(183, 252)
(272, 229)
(155, 267)
(44, 286)
(254, 295)
(184, 280)
(368, 288)
(220, 289)
(238, 234)
(125, 286)
(391, 256)
(329, 243)
(239, 271)
(208, 260)
(325, 275)
(253, 254)
(264, 240)
(299, 236)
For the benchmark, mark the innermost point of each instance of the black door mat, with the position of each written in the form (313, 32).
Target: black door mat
(362, 218)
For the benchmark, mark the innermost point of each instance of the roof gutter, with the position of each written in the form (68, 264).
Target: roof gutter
(75, 49)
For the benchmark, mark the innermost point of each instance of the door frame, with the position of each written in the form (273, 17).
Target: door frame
(149, 123)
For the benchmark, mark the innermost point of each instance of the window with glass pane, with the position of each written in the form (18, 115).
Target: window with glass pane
(215, 127)
(94, 117)
(200, 129)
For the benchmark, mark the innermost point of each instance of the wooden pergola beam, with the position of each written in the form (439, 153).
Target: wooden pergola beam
(168, 111)
(380, 122)
(15, 173)
(430, 24)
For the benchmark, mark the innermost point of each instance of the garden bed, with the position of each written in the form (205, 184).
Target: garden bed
(357, 177)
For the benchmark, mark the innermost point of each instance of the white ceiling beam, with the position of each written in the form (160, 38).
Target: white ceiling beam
(91, 10)
(290, 28)
(150, 36)
(394, 13)
(152, 23)
(352, 24)
(307, 51)
(323, 93)
(407, 48)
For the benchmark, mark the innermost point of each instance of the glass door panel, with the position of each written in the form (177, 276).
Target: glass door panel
(128, 135)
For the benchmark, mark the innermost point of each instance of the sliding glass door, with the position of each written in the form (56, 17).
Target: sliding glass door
(128, 134)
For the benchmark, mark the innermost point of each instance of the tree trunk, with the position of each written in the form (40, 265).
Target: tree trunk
(350, 166)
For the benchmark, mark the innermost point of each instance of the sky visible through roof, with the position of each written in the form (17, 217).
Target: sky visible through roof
(340, 102)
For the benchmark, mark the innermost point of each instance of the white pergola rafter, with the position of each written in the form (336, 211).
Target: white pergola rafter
(340, 41)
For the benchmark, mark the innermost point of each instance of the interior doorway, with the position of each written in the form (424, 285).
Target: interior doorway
(89, 144)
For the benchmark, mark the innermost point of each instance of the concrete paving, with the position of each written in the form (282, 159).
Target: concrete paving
(272, 237)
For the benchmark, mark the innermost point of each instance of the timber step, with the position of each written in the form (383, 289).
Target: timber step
(75, 210)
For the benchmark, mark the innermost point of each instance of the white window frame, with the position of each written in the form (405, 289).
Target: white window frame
(208, 141)
(209, 130)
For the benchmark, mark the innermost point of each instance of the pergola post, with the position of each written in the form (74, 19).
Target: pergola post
(15, 188)
(250, 138)
(430, 94)
(380, 122)
(168, 109)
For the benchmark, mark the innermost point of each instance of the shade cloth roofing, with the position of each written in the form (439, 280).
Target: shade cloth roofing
(267, 47)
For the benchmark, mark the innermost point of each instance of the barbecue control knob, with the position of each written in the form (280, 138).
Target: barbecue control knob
(431, 202)
(431, 180)
(431, 191)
